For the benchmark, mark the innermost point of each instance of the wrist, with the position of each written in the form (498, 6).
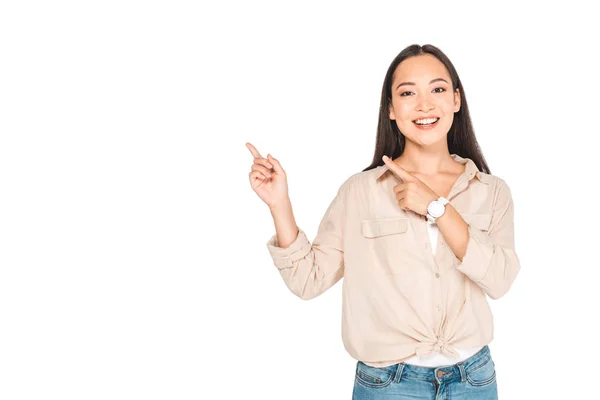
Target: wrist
(436, 209)
(284, 203)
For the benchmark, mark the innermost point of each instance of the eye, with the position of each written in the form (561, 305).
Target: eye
(403, 94)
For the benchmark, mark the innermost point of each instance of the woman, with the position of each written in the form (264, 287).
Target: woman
(420, 238)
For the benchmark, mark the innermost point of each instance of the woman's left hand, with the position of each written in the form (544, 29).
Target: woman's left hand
(413, 194)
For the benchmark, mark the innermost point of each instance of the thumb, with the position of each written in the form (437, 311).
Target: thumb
(276, 166)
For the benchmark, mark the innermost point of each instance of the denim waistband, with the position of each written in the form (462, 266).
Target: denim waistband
(440, 374)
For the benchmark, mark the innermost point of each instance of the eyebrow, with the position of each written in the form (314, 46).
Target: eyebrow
(412, 83)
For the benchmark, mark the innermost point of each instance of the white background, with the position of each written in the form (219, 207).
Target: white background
(133, 258)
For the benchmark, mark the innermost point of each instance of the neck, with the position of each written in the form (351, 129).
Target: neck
(426, 161)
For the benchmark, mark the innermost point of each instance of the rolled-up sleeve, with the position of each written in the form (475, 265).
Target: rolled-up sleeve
(308, 269)
(490, 259)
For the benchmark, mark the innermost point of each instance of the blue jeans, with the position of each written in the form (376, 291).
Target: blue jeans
(470, 379)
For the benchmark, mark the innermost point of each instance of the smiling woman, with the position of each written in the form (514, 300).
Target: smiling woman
(422, 238)
(424, 97)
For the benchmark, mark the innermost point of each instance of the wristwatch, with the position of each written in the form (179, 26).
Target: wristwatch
(436, 209)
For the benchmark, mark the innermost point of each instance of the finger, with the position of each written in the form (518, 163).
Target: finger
(400, 197)
(264, 170)
(401, 204)
(397, 170)
(399, 188)
(253, 150)
(257, 175)
(276, 166)
(263, 161)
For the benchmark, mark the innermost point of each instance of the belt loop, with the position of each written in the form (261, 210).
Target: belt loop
(398, 375)
(463, 374)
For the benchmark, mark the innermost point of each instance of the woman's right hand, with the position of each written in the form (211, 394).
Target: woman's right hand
(268, 179)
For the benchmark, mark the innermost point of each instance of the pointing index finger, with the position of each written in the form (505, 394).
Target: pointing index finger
(396, 169)
(253, 150)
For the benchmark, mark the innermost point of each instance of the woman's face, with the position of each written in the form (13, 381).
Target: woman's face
(422, 88)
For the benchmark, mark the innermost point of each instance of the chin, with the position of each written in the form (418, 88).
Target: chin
(426, 138)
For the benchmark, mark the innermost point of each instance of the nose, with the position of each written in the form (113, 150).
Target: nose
(424, 104)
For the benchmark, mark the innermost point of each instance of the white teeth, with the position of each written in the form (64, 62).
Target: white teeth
(426, 121)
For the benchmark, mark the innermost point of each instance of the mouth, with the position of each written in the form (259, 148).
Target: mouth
(426, 123)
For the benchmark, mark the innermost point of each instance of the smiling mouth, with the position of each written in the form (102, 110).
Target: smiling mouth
(429, 125)
(430, 121)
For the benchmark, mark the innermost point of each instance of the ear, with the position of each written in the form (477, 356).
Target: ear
(456, 100)
(392, 114)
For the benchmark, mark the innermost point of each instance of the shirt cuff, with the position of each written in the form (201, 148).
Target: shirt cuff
(284, 257)
(478, 255)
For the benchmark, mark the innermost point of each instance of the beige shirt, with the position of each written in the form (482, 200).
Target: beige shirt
(398, 298)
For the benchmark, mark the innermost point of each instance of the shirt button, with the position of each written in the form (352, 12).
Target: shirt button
(437, 275)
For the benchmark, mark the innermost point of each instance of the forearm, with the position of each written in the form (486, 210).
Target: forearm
(455, 231)
(285, 223)
(487, 257)
(309, 269)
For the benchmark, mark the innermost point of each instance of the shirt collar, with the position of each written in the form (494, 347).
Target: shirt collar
(471, 169)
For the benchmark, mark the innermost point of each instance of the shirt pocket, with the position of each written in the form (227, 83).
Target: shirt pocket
(376, 228)
(388, 241)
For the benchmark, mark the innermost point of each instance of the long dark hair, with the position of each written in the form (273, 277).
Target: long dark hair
(461, 137)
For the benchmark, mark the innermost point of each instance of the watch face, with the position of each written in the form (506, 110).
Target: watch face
(435, 208)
